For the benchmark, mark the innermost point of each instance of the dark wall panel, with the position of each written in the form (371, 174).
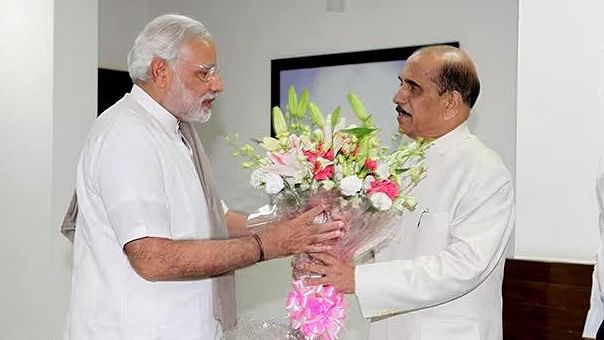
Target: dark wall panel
(112, 85)
(545, 301)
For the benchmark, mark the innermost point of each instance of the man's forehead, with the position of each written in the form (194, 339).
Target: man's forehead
(418, 68)
(201, 51)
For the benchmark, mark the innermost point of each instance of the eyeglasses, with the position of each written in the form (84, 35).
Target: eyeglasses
(205, 72)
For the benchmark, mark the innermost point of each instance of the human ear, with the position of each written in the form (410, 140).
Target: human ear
(453, 103)
(159, 72)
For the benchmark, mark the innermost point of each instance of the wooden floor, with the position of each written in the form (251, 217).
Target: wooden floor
(545, 301)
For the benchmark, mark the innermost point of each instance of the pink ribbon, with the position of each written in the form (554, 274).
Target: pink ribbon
(317, 312)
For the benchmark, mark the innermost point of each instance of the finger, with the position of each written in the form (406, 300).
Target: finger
(326, 258)
(326, 227)
(315, 268)
(316, 248)
(315, 281)
(310, 214)
(328, 236)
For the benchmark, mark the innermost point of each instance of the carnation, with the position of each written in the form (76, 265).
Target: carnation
(350, 185)
(386, 186)
(380, 201)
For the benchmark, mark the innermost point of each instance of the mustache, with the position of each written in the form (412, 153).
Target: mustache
(401, 111)
(208, 96)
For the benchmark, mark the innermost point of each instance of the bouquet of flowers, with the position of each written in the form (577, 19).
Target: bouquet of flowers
(313, 159)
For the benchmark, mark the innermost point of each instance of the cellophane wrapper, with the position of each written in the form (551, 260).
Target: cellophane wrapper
(319, 312)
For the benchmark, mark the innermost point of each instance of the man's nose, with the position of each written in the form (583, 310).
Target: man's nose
(216, 84)
(399, 96)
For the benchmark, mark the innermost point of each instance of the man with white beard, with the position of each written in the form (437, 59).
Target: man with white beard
(151, 242)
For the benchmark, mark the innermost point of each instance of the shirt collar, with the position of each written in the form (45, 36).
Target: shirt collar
(167, 120)
(451, 139)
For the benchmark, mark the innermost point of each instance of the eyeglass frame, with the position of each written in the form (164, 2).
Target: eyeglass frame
(208, 71)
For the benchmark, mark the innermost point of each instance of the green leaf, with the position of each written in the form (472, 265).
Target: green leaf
(360, 132)
(292, 100)
(278, 121)
(303, 103)
(316, 116)
(358, 107)
(335, 117)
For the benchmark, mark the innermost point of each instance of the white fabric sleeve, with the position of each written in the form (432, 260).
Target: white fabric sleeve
(479, 236)
(595, 315)
(131, 185)
(225, 207)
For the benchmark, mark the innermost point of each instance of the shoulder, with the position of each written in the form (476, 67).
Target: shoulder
(124, 120)
(483, 162)
(122, 128)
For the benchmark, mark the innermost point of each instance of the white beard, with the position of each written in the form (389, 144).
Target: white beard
(185, 106)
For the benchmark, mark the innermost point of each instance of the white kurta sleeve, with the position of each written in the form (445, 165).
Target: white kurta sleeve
(596, 308)
(595, 315)
(479, 235)
(131, 185)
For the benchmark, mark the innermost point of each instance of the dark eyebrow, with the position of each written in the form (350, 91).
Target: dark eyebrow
(409, 82)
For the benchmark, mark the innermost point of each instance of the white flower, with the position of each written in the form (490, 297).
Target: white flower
(350, 185)
(273, 182)
(380, 201)
(382, 171)
(257, 178)
(284, 164)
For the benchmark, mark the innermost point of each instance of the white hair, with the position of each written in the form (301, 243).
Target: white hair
(163, 37)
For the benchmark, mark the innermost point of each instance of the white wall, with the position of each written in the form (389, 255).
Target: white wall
(119, 24)
(47, 101)
(559, 129)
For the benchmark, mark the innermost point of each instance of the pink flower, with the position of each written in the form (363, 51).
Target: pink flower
(371, 165)
(321, 174)
(312, 156)
(322, 169)
(328, 155)
(386, 186)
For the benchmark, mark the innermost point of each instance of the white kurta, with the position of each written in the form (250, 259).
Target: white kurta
(135, 179)
(441, 277)
(595, 315)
